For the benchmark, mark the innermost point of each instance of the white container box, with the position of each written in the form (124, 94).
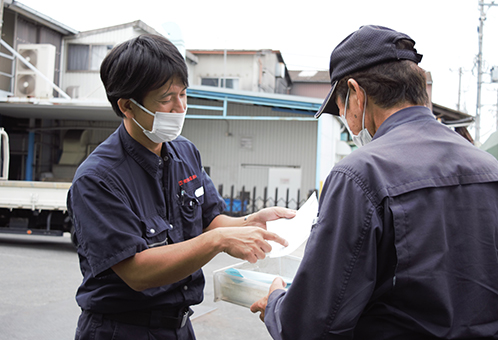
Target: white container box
(245, 283)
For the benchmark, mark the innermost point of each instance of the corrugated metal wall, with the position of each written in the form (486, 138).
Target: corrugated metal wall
(6, 65)
(27, 32)
(240, 153)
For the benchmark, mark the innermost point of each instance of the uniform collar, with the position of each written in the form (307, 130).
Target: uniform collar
(148, 160)
(403, 116)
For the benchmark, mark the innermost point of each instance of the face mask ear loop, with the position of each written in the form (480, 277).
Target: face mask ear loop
(364, 108)
(140, 126)
(346, 105)
(142, 107)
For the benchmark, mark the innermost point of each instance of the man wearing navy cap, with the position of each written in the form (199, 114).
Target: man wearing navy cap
(405, 246)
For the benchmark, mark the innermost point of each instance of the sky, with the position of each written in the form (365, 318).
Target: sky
(306, 32)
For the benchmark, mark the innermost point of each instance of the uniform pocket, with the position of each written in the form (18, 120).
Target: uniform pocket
(156, 230)
(191, 200)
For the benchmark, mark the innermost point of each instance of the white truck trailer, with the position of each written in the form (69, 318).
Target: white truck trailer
(31, 207)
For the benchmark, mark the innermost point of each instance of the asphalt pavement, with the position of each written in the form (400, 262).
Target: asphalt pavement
(39, 278)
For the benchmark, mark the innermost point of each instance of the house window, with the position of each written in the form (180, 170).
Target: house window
(231, 83)
(210, 82)
(86, 57)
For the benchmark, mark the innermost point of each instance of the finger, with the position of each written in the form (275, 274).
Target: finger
(285, 213)
(278, 283)
(255, 307)
(259, 306)
(260, 254)
(251, 258)
(265, 247)
(274, 237)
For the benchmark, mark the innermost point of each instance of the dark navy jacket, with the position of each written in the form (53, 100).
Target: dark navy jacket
(125, 199)
(406, 242)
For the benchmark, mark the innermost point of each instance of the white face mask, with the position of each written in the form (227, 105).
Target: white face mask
(363, 137)
(166, 127)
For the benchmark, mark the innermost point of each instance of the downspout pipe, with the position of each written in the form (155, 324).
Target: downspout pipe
(31, 152)
(4, 141)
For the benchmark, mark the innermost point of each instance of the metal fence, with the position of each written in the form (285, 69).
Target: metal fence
(240, 203)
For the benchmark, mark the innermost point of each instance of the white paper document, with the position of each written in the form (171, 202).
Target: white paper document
(296, 230)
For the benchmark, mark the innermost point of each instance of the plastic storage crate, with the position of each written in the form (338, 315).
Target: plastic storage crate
(237, 283)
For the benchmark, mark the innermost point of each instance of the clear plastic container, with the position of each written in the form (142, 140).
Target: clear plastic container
(245, 283)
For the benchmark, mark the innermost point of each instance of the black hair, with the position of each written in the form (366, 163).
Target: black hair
(140, 65)
(391, 83)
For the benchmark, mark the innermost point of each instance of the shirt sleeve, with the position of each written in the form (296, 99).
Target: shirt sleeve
(107, 229)
(213, 204)
(337, 275)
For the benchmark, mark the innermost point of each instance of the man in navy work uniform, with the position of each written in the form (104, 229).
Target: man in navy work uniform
(147, 216)
(405, 245)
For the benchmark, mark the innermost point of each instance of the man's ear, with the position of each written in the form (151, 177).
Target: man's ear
(125, 107)
(360, 95)
(352, 84)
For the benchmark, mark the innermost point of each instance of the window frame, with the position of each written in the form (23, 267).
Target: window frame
(89, 57)
(220, 80)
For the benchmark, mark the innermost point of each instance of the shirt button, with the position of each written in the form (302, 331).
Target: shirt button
(185, 288)
(152, 231)
(165, 158)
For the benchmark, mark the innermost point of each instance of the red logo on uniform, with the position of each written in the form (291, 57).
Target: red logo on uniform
(186, 180)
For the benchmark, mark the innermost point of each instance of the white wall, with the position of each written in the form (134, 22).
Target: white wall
(89, 83)
(255, 71)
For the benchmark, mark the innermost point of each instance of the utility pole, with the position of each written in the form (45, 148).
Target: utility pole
(459, 87)
(482, 18)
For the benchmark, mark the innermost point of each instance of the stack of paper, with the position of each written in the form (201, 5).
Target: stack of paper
(296, 230)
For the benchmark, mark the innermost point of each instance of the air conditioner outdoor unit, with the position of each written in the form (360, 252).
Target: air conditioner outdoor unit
(28, 82)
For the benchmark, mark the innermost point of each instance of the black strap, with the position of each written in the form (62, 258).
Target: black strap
(152, 319)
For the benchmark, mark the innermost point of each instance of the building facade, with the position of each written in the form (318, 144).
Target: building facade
(247, 70)
(252, 134)
(251, 118)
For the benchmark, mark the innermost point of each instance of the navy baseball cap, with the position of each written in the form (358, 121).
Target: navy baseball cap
(367, 47)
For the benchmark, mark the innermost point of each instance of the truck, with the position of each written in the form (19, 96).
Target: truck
(32, 207)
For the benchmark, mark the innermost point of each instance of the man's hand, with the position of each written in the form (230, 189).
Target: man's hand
(248, 243)
(259, 218)
(246, 237)
(260, 305)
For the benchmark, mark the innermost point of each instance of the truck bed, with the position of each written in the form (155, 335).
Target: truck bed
(34, 195)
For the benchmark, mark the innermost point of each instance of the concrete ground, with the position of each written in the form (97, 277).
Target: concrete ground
(39, 278)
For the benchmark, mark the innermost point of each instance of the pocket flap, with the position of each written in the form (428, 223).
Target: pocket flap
(155, 225)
